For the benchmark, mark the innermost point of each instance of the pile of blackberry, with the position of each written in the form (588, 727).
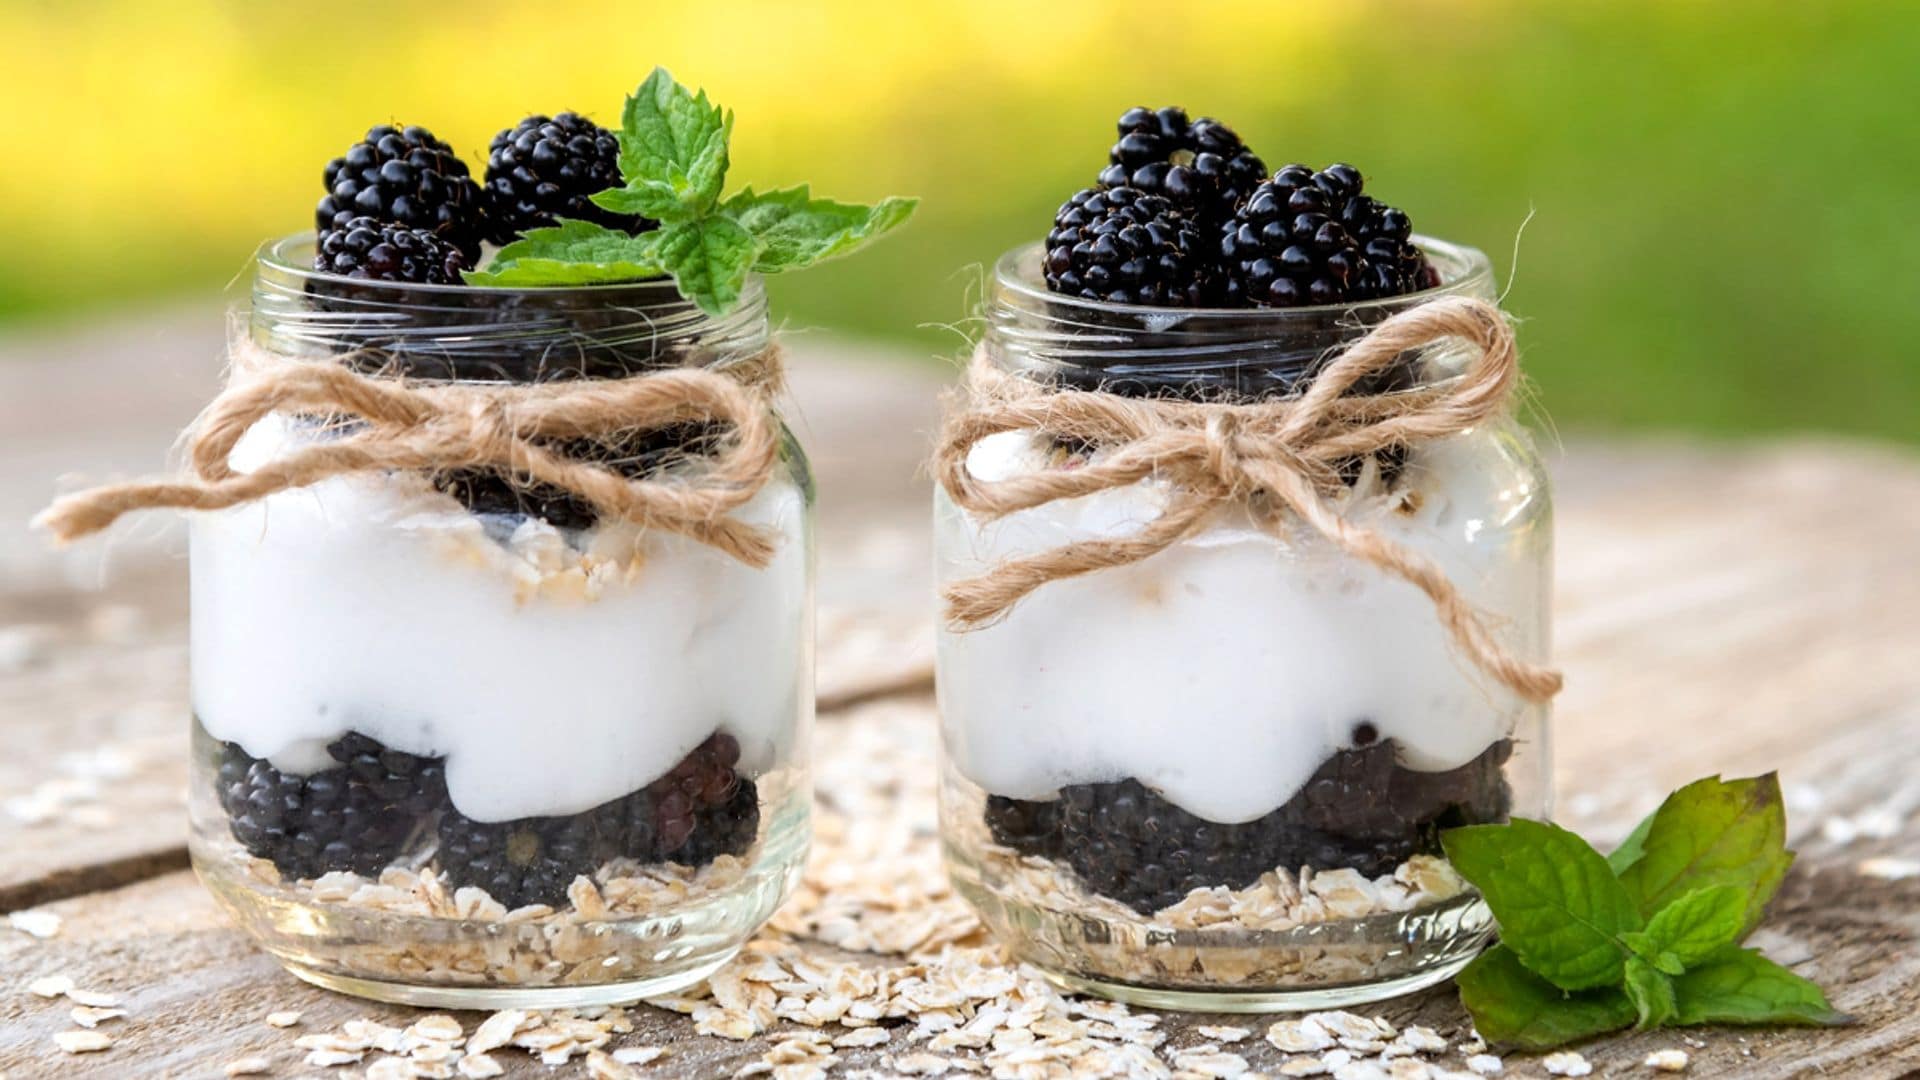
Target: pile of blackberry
(359, 815)
(1361, 810)
(379, 804)
(1184, 215)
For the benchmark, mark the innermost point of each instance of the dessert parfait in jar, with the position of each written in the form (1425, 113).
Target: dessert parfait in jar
(501, 580)
(1245, 563)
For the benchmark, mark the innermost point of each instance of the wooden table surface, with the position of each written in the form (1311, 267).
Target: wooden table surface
(1724, 609)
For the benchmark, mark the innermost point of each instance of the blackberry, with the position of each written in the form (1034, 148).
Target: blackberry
(1360, 809)
(1308, 237)
(700, 810)
(545, 168)
(1200, 166)
(358, 816)
(364, 247)
(405, 176)
(1125, 246)
(523, 861)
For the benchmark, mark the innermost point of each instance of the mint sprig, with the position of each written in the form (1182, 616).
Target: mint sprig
(673, 165)
(1647, 937)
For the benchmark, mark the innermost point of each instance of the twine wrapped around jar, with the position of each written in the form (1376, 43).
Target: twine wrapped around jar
(415, 425)
(1281, 458)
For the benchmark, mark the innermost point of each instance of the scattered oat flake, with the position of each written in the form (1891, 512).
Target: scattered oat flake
(1224, 1034)
(439, 1027)
(639, 1055)
(391, 1068)
(82, 1042)
(91, 1016)
(1485, 1065)
(92, 999)
(1667, 1061)
(922, 1064)
(325, 1059)
(249, 1066)
(1888, 868)
(602, 1066)
(50, 986)
(496, 1031)
(285, 1019)
(1304, 1066)
(865, 1036)
(1210, 1061)
(35, 923)
(1566, 1063)
(480, 1067)
(1304, 1035)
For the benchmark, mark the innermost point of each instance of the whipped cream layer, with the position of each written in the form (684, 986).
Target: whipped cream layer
(1224, 670)
(552, 671)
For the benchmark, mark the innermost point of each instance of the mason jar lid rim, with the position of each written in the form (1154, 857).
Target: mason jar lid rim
(275, 253)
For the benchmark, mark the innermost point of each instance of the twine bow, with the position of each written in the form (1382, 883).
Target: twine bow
(1281, 458)
(436, 426)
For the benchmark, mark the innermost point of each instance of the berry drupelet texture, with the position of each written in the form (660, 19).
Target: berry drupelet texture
(358, 816)
(1125, 246)
(1307, 237)
(544, 168)
(1361, 810)
(700, 810)
(1200, 166)
(405, 176)
(374, 250)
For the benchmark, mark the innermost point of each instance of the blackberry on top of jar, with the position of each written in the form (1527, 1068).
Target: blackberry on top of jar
(1125, 246)
(546, 168)
(405, 176)
(1200, 166)
(1307, 237)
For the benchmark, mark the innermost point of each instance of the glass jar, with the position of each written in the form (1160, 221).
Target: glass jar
(457, 741)
(1215, 778)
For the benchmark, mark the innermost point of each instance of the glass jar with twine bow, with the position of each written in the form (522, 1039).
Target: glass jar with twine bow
(474, 575)
(1241, 608)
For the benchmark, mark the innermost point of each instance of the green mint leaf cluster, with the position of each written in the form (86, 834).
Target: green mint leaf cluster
(673, 164)
(1647, 937)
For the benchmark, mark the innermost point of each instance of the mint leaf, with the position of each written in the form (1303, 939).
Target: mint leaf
(796, 230)
(1699, 924)
(1713, 832)
(709, 259)
(1512, 1006)
(1559, 906)
(1632, 848)
(1647, 949)
(673, 152)
(1651, 993)
(1740, 986)
(571, 253)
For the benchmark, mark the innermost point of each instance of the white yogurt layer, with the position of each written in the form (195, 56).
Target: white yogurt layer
(1224, 670)
(551, 678)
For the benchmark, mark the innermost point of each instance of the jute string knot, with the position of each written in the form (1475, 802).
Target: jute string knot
(1280, 458)
(432, 426)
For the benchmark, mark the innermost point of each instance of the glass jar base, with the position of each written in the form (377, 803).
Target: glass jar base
(491, 998)
(1258, 1001)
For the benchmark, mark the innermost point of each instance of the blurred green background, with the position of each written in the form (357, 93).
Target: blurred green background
(1724, 195)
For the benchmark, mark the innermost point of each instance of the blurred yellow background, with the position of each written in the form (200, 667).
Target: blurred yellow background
(1724, 195)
